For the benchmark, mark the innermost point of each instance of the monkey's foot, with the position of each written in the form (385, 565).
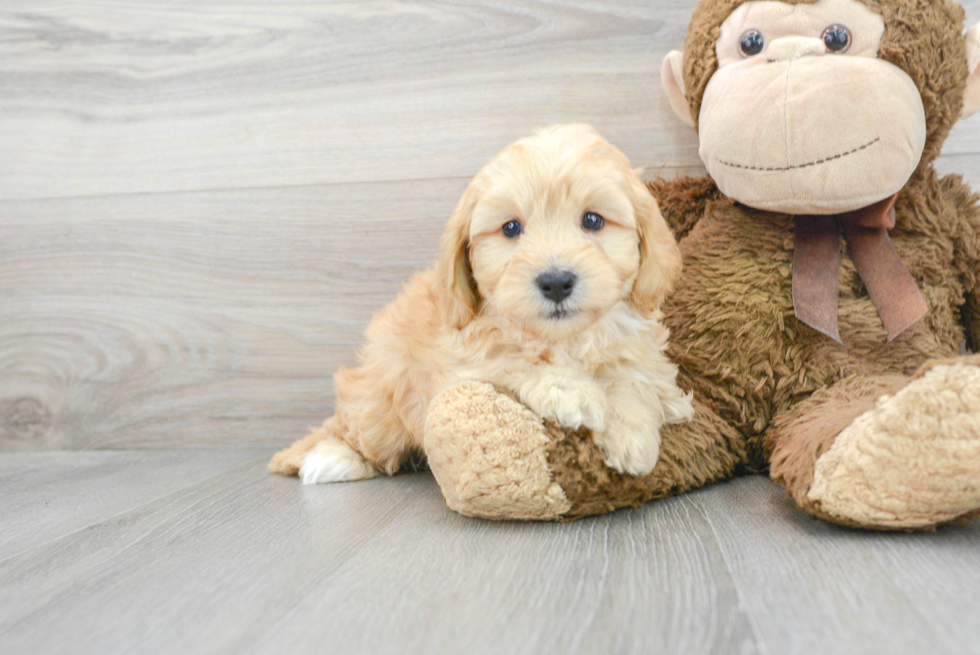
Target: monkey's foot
(487, 452)
(912, 462)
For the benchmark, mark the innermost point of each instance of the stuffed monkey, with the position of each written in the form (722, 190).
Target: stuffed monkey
(831, 280)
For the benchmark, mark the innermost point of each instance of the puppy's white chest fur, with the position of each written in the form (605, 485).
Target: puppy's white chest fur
(614, 378)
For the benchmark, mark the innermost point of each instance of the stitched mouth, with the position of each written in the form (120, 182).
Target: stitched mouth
(826, 160)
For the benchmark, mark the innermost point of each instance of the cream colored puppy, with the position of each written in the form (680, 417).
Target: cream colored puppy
(552, 269)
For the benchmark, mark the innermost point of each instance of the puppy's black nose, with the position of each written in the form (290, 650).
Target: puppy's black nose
(556, 285)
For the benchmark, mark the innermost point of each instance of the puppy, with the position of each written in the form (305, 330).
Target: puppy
(552, 269)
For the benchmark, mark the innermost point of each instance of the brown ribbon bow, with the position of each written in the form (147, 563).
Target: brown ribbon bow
(816, 269)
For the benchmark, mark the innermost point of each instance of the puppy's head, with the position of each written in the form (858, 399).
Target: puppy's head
(554, 232)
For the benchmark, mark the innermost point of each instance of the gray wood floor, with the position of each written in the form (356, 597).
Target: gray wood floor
(199, 551)
(201, 205)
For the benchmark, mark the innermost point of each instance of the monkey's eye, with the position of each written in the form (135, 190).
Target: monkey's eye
(512, 229)
(592, 222)
(752, 43)
(837, 38)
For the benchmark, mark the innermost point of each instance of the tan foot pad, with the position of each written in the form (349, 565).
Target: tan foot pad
(913, 461)
(487, 453)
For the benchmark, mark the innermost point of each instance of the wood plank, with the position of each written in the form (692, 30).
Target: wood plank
(966, 165)
(247, 562)
(50, 495)
(811, 587)
(648, 581)
(202, 318)
(114, 97)
(128, 97)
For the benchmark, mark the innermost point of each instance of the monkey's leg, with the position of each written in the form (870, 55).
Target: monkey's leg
(494, 458)
(886, 453)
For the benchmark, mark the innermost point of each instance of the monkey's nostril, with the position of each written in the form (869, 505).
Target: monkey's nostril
(556, 285)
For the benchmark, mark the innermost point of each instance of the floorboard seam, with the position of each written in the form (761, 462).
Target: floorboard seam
(742, 605)
(169, 192)
(321, 578)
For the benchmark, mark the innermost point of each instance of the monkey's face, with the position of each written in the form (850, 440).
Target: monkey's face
(802, 116)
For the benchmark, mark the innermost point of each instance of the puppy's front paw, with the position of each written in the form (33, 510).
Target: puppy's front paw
(573, 403)
(631, 449)
(332, 460)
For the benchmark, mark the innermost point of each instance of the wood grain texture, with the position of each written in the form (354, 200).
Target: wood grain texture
(850, 591)
(643, 582)
(49, 495)
(246, 562)
(107, 97)
(213, 317)
(202, 204)
(126, 97)
(240, 561)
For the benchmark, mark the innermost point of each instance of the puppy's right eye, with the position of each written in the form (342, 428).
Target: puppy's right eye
(513, 229)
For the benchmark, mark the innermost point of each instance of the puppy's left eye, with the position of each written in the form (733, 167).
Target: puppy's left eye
(592, 222)
(512, 229)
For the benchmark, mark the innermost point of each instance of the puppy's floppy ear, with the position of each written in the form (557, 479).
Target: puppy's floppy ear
(660, 258)
(458, 295)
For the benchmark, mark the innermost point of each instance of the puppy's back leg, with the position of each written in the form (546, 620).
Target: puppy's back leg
(332, 460)
(322, 456)
(380, 405)
(289, 460)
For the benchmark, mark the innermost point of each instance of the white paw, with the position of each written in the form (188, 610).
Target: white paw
(572, 403)
(633, 450)
(332, 460)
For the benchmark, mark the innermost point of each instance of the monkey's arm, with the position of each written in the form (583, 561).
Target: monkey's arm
(683, 201)
(966, 240)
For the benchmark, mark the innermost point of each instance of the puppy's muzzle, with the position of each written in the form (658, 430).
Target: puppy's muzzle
(556, 285)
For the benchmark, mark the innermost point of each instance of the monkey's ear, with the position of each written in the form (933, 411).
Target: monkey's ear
(672, 77)
(971, 101)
